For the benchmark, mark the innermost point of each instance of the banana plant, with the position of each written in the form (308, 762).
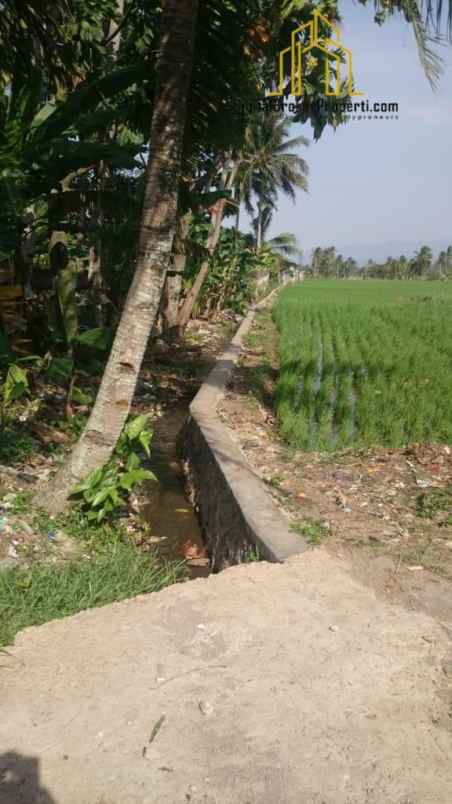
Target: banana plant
(41, 143)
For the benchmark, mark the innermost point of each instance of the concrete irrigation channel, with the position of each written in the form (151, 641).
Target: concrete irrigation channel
(236, 513)
(268, 683)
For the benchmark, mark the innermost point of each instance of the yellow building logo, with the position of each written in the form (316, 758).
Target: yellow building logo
(305, 42)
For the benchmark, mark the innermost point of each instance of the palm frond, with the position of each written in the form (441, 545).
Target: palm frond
(426, 19)
(433, 11)
(431, 62)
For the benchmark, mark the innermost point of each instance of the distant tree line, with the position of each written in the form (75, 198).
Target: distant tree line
(326, 263)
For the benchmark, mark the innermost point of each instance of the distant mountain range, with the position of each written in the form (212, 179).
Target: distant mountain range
(379, 252)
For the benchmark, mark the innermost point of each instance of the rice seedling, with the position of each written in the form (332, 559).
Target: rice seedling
(365, 363)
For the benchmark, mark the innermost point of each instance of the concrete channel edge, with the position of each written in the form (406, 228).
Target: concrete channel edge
(239, 519)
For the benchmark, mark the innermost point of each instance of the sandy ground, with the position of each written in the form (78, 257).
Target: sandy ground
(288, 683)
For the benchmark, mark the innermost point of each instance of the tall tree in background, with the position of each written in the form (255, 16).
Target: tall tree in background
(266, 163)
(269, 163)
(111, 409)
(422, 262)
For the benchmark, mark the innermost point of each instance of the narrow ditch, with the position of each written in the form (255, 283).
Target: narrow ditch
(172, 520)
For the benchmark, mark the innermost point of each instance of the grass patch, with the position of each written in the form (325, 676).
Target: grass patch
(46, 592)
(263, 325)
(112, 569)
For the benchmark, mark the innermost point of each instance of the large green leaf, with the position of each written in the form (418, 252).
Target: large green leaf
(130, 479)
(84, 99)
(99, 339)
(136, 426)
(16, 384)
(88, 483)
(145, 439)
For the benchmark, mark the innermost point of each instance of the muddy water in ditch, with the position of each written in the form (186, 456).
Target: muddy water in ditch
(167, 510)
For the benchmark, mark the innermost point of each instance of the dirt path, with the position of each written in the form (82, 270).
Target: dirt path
(268, 683)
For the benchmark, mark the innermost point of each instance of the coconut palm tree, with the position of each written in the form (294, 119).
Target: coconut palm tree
(270, 164)
(421, 262)
(264, 165)
(449, 261)
(285, 244)
(287, 251)
(112, 406)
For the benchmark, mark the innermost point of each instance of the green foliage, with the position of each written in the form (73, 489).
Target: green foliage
(252, 555)
(312, 530)
(234, 270)
(426, 20)
(60, 370)
(21, 502)
(15, 445)
(269, 163)
(48, 592)
(326, 263)
(13, 389)
(41, 144)
(15, 385)
(99, 339)
(434, 502)
(364, 363)
(81, 397)
(107, 489)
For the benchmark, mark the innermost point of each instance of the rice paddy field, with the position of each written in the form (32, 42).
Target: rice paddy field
(365, 363)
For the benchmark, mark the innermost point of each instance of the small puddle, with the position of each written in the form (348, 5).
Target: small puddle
(167, 509)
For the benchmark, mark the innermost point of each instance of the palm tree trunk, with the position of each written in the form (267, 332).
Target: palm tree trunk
(171, 299)
(192, 296)
(173, 284)
(212, 240)
(259, 227)
(112, 406)
(237, 214)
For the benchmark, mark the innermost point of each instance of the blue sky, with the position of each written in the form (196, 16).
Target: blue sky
(380, 187)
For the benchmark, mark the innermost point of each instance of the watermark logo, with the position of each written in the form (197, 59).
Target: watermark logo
(306, 41)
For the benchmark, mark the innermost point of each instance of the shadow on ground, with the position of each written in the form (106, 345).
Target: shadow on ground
(20, 782)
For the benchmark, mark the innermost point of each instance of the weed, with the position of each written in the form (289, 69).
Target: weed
(431, 503)
(75, 523)
(21, 502)
(251, 555)
(106, 489)
(313, 531)
(274, 481)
